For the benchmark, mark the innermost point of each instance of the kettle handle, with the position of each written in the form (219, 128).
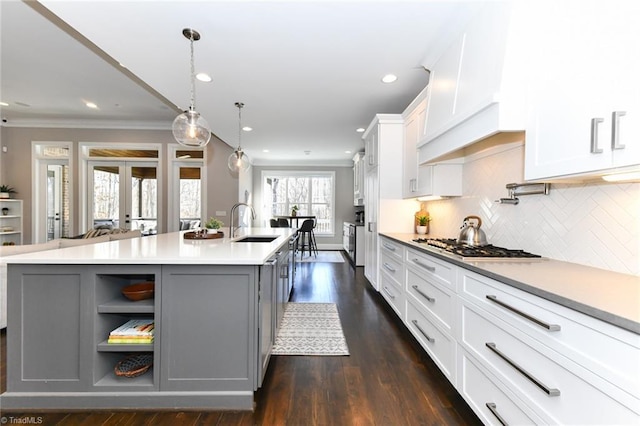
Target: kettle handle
(473, 217)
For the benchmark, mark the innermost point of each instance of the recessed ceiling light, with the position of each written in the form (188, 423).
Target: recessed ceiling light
(4, 104)
(360, 130)
(347, 152)
(265, 150)
(91, 105)
(247, 128)
(389, 78)
(203, 77)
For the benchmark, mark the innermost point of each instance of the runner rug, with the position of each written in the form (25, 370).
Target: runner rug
(324, 256)
(310, 329)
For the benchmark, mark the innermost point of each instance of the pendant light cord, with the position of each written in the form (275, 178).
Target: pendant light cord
(193, 77)
(239, 105)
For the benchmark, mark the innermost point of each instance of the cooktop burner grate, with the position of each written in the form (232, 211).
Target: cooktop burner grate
(450, 245)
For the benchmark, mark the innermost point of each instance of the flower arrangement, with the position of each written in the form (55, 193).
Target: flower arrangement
(6, 191)
(423, 219)
(213, 224)
(294, 210)
(423, 222)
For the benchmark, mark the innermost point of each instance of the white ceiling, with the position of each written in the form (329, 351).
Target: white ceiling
(308, 71)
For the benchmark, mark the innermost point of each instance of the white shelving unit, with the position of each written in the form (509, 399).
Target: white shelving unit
(11, 222)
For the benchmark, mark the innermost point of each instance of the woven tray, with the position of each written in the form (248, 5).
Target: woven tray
(202, 236)
(134, 365)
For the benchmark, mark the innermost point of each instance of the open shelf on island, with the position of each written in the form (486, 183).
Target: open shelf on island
(123, 305)
(124, 347)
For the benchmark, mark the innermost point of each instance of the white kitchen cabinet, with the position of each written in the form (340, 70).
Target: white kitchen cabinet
(478, 85)
(564, 366)
(588, 76)
(358, 179)
(382, 138)
(11, 222)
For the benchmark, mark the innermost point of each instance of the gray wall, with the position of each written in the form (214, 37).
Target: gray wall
(344, 209)
(16, 164)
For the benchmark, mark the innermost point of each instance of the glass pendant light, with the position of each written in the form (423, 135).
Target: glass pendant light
(189, 128)
(238, 160)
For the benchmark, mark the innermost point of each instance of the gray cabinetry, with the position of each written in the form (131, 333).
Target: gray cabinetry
(48, 348)
(209, 328)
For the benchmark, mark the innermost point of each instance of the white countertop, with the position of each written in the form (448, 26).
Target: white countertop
(166, 249)
(610, 296)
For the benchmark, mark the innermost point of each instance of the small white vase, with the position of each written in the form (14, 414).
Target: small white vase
(421, 229)
(212, 231)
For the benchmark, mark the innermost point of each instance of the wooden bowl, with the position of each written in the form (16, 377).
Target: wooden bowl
(139, 291)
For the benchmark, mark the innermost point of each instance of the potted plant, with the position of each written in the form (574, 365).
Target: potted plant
(213, 225)
(423, 223)
(294, 210)
(6, 191)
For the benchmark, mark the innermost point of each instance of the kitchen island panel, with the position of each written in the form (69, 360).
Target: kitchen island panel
(48, 304)
(209, 323)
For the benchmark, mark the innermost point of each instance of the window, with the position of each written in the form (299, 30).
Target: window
(312, 192)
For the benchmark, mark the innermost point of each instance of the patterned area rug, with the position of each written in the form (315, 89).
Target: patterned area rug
(324, 256)
(310, 329)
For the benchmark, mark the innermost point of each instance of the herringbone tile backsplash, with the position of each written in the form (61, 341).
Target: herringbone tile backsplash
(595, 224)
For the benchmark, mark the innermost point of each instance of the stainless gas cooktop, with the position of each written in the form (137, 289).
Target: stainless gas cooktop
(450, 245)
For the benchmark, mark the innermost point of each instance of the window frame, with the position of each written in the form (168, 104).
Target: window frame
(266, 202)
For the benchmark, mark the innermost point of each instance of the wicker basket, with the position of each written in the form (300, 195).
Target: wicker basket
(134, 365)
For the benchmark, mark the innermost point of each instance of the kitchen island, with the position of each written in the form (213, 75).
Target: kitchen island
(214, 309)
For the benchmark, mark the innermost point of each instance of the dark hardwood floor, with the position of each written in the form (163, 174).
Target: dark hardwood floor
(386, 380)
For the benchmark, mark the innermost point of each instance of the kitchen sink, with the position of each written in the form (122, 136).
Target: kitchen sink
(257, 239)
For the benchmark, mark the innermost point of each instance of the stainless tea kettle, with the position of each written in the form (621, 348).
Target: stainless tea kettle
(471, 234)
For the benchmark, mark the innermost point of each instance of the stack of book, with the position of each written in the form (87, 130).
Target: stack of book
(135, 331)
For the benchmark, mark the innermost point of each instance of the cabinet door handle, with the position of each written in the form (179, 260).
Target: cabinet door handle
(389, 267)
(424, 333)
(427, 267)
(386, 290)
(594, 135)
(525, 373)
(549, 327)
(430, 299)
(615, 135)
(389, 247)
(494, 410)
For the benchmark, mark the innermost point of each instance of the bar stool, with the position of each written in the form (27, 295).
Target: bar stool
(306, 238)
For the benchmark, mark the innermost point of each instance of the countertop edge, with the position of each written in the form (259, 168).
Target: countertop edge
(605, 316)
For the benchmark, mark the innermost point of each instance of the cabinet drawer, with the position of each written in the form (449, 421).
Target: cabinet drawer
(391, 248)
(440, 346)
(444, 273)
(609, 351)
(393, 294)
(492, 402)
(393, 268)
(558, 389)
(432, 298)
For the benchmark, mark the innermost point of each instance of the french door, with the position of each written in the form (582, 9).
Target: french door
(123, 194)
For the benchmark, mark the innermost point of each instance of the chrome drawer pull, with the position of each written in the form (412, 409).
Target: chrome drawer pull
(389, 267)
(550, 327)
(492, 407)
(430, 299)
(615, 136)
(427, 267)
(388, 247)
(386, 290)
(538, 383)
(594, 135)
(429, 338)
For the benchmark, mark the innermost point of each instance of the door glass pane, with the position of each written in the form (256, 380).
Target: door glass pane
(57, 201)
(106, 196)
(190, 196)
(144, 199)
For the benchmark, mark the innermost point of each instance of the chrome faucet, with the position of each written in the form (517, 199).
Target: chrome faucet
(232, 229)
